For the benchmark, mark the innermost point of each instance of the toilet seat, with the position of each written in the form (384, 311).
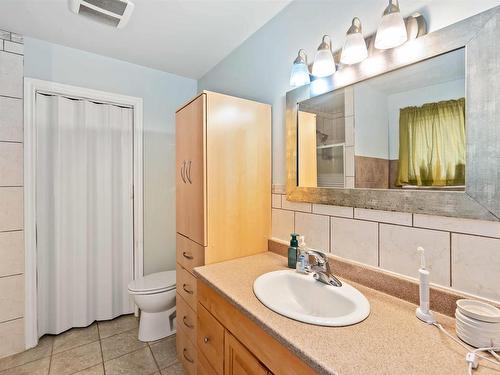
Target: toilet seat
(158, 282)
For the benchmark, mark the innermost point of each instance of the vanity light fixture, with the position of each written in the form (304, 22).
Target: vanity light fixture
(392, 29)
(300, 70)
(354, 50)
(324, 64)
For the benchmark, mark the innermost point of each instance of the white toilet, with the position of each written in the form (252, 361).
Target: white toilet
(155, 296)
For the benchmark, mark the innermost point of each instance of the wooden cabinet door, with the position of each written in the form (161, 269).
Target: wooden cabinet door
(190, 146)
(238, 360)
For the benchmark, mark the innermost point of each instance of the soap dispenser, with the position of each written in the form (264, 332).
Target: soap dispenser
(292, 251)
(303, 257)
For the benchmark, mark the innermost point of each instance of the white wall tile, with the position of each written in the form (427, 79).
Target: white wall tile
(11, 119)
(402, 218)
(11, 208)
(398, 251)
(325, 209)
(11, 74)
(276, 200)
(355, 239)
(11, 164)
(476, 265)
(348, 101)
(11, 253)
(451, 224)
(11, 297)
(349, 161)
(349, 182)
(282, 224)
(11, 337)
(349, 131)
(4, 34)
(296, 206)
(315, 228)
(13, 47)
(16, 38)
(279, 189)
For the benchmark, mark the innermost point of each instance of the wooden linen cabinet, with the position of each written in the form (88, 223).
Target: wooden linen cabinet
(223, 195)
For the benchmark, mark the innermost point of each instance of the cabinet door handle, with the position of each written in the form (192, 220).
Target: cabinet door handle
(206, 339)
(184, 320)
(187, 255)
(183, 171)
(186, 357)
(187, 290)
(188, 173)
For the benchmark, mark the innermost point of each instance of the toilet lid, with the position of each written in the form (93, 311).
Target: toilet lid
(159, 281)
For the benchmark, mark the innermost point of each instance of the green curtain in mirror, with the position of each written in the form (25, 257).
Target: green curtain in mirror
(432, 144)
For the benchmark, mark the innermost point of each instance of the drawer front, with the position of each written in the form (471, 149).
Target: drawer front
(203, 366)
(186, 318)
(186, 286)
(189, 253)
(186, 352)
(210, 339)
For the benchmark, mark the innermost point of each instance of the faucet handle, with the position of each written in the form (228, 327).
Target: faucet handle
(319, 256)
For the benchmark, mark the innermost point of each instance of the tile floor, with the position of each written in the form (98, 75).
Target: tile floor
(103, 348)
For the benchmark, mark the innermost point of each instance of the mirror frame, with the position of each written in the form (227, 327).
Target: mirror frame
(481, 199)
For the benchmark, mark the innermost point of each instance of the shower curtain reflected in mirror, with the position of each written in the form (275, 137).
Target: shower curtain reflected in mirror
(84, 212)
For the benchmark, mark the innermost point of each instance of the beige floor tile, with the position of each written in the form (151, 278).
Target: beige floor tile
(75, 337)
(76, 359)
(140, 362)
(175, 369)
(94, 370)
(42, 350)
(118, 325)
(123, 343)
(39, 367)
(164, 352)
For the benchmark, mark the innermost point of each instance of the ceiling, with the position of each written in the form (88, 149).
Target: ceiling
(184, 37)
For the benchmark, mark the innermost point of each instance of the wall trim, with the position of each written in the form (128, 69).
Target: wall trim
(31, 87)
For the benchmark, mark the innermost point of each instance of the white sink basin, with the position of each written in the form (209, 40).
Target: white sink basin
(302, 298)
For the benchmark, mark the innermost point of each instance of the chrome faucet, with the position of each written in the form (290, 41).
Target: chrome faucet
(321, 269)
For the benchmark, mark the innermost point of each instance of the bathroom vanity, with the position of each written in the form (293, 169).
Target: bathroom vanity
(237, 334)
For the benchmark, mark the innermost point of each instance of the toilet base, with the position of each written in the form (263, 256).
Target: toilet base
(155, 326)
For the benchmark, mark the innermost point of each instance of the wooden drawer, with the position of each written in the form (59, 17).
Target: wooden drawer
(186, 318)
(210, 339)
(186, 286)
(186, 352)
(203, 367)
(189, 253)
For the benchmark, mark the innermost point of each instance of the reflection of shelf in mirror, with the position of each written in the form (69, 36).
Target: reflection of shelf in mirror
(330, 146)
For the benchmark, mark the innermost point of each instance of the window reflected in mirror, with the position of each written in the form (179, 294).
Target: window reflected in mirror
(401, 130)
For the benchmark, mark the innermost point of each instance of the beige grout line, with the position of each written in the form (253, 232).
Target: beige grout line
(100, 348)
(51, 354)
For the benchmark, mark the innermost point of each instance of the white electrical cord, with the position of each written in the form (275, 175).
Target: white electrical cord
(472, 356)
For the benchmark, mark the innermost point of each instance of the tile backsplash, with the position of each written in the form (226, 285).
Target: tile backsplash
(462, 254)
(11, 194)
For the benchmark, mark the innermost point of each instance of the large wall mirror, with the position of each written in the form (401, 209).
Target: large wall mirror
(412, 129)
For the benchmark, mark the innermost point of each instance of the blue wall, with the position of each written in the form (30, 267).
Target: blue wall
(162, 93)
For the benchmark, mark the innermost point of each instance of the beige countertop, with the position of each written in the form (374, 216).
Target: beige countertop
(390, 341)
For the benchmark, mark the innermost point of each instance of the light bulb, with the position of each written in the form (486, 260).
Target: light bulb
(300, 72)
(354, 50)
(392, 29)
(324, 64)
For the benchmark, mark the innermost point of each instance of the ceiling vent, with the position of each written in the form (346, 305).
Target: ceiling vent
(115, 13)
